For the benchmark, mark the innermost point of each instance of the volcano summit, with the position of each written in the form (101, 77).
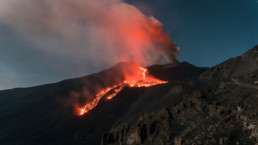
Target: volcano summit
(128, 104)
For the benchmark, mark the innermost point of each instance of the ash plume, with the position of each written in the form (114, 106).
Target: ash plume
(90, 32)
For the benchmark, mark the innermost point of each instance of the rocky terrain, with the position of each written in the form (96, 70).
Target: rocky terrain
(221, 108)
(46, 114)
(196, 106)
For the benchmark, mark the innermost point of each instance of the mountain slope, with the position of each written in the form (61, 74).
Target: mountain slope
(224, 111)
(45, 114)
(205, 106)
(234, 67)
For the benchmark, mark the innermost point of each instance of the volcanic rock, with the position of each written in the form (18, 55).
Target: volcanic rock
(196, 106)
(225, 112)
(46, 114)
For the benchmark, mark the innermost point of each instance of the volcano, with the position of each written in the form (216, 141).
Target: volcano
(38, 109)
(190, 99)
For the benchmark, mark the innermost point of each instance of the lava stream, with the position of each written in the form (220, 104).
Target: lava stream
(141, 80)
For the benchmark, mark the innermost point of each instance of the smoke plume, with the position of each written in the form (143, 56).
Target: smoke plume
(101, 32)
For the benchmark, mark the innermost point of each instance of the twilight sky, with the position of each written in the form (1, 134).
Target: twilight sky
(38, 46)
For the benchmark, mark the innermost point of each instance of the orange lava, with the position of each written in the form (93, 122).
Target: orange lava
(116, 91)
(141, 80)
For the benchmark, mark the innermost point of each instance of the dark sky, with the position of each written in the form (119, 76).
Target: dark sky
(207, 32)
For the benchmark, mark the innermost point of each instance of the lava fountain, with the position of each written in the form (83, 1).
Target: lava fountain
(140, 79)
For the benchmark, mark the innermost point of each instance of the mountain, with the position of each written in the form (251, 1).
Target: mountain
(46, 114)
(215, 105)
(221, 108)
(234, 67)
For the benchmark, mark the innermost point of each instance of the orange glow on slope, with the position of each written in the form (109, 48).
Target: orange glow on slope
(95, 102)
(141, 80)
(116, 91)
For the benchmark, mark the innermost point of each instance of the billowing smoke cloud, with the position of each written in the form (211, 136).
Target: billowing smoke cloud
(101, 32)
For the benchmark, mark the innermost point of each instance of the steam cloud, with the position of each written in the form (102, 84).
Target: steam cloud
(98, 31)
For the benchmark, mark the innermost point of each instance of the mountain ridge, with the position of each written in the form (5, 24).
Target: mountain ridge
(46, 113)
(222, 112)
(39, 108)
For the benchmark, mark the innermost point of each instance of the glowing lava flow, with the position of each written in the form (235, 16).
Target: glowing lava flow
(140, 81)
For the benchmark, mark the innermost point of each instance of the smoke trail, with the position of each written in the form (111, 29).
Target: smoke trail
(95, 31)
